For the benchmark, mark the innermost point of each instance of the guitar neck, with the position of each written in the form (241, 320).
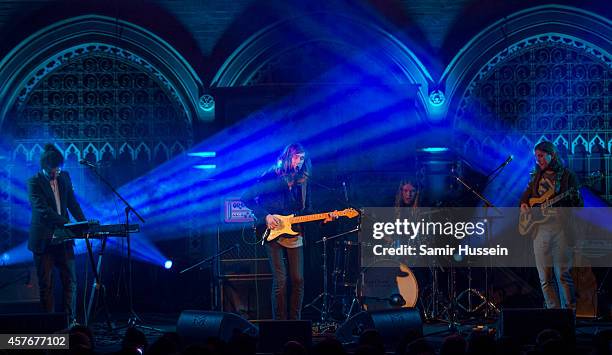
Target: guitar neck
(309, 218)
(558, 198)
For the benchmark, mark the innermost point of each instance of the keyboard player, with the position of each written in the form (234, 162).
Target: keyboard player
(51, 197)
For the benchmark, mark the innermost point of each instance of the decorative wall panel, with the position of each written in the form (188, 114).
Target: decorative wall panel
(548, 88)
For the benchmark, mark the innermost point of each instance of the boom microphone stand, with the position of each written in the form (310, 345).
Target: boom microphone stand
(133, 319)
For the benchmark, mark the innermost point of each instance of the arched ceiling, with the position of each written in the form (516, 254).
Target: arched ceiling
(209, 30)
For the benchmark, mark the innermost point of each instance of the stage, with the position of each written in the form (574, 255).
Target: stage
(434, 333)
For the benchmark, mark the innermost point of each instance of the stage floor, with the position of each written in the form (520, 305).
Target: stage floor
(107, 341)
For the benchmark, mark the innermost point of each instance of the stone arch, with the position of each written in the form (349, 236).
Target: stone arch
(91, 151)
(143, 149)
(21, 150)
(596, 140)
(547, 23)
(580, 141)
(83, 34)
(266, 45)
(126, 151)
(561, 141)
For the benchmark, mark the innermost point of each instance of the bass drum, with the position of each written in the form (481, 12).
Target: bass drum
(381, 282)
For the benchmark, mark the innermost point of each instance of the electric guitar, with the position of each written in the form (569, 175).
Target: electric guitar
(540, 206)
(286, 222)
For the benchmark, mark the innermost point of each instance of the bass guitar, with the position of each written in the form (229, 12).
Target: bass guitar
(540, 206)
(284, 227)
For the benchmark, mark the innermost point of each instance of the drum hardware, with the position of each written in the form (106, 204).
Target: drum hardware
(325, 296)
(345, 261)
(432, 310)
(485, 301)
(468, 293)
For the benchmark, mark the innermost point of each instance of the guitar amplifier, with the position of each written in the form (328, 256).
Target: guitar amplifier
(242, 239)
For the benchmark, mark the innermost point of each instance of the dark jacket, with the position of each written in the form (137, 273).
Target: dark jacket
(44, 211)
(271, 195)
(566, 180)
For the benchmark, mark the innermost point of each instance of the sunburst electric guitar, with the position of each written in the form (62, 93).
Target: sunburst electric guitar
(286, 222)
(540, 206)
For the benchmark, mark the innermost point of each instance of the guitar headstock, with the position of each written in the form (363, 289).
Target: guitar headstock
(348, 212)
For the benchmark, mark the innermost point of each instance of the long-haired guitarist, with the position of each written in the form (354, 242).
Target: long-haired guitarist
(552, 243)
(284, 190)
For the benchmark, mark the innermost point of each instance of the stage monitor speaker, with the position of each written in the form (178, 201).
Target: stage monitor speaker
(196, 326)
(524, 324)
(32, 323)
(273, 334)
(392, 324)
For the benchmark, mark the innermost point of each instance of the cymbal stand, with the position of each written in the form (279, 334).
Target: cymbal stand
(451, 310)
(431, 309)
(325, 296)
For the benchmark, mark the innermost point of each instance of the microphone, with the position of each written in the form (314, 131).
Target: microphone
(87, 163)
(507, 161)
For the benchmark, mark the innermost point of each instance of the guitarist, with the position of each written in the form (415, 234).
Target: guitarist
(51, 197)
(284, 190)
(553, 242)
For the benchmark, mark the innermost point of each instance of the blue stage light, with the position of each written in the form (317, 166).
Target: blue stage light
(168, 264)
(205, 166)
(18, 255)
(434, 149)
(203, 154)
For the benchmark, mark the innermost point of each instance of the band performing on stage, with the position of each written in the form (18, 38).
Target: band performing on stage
(306, 177)
(280, 201)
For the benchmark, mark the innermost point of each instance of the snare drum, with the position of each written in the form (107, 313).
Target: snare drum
(380, 281)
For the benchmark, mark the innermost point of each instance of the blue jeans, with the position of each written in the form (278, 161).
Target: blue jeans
(554, 257)
(295, 261)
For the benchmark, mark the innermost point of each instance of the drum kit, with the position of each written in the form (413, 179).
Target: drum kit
(388, 284)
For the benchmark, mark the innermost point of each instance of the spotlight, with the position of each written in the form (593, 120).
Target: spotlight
(168, 264)
(5, 259)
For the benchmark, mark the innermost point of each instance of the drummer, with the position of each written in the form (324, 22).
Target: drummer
(407, 195)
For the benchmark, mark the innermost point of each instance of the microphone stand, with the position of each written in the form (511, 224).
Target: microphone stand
(133, 319)
(209, 258)
(490, 177)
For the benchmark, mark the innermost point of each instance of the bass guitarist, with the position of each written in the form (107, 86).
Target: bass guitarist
(553, 240)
